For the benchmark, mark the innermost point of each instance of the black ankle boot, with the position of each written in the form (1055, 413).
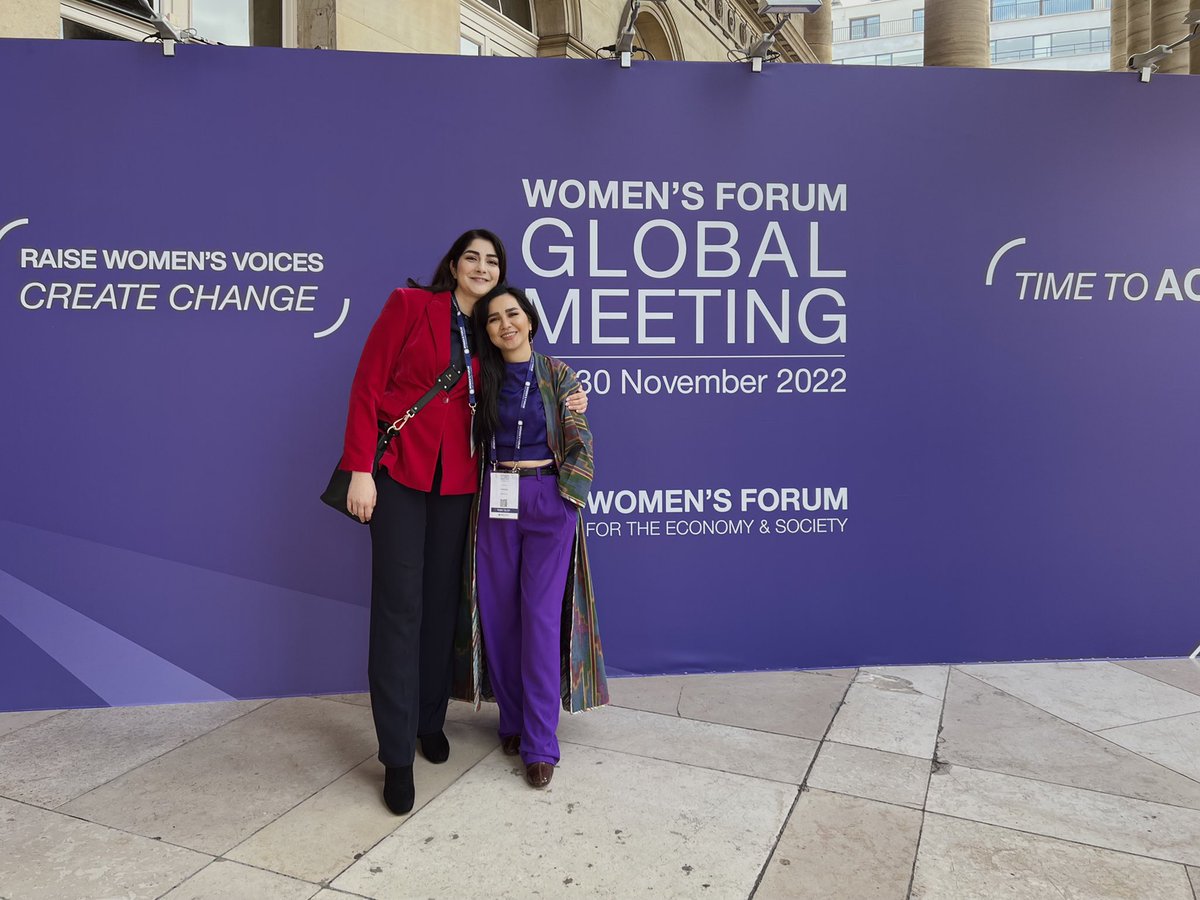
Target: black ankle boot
(434, 746)
(398, 791)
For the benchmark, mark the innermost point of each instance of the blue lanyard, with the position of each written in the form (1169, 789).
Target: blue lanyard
(462, 334)
(521, 420)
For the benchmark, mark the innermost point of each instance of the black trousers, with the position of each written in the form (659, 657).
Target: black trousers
(417, 544)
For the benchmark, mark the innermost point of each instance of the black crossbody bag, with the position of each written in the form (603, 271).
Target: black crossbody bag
(339, 483)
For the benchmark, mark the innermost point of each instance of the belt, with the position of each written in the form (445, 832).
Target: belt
(538, 470)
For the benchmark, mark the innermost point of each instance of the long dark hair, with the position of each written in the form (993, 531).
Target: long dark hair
(491, 361)
(443, 277)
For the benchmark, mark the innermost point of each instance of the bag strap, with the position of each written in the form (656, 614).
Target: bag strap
(444, 382)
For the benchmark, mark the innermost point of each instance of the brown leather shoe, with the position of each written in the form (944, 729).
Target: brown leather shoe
(538, 774)
(511, 745)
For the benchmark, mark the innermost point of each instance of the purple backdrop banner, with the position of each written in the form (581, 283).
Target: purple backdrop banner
(887, 365)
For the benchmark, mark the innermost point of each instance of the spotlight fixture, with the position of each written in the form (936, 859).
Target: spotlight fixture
(1146, 64)
(763, 49)
(1151, 57)
(624, 48)
(163, 30)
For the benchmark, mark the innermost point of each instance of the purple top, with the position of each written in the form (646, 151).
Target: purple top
(533, 435)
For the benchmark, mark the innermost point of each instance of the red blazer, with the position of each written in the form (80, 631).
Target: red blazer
(407, 349)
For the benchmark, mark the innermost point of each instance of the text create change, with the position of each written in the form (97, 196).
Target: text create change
(85, 295)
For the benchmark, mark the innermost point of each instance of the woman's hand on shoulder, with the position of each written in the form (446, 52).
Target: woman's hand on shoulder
(360, 499)
(577, 402)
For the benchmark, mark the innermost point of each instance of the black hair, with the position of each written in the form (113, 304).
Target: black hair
(491, 361)
(443, 276)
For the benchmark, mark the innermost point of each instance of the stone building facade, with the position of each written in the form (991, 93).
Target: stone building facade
(714, 30)
(954, 32)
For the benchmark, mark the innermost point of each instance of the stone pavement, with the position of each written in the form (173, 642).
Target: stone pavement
(1032, 780)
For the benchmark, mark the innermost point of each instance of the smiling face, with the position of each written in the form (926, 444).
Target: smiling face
(477, 270)
(508, 327)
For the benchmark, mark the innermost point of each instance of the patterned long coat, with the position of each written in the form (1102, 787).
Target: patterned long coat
(584, 684)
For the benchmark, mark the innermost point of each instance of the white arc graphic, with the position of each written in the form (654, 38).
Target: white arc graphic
(338, 324)
(996, 258)
(15, 223)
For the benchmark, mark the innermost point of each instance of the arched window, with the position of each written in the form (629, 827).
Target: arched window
(651, 36)
(497, 28)
(517, 10)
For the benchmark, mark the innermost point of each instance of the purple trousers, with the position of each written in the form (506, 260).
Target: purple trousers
(521, 573)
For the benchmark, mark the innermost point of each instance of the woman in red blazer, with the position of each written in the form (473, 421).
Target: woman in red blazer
(419, 503)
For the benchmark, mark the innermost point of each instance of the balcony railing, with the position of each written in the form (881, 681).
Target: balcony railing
(1007, 10)
(1001, 12)
(1079, 49)
(862, 32)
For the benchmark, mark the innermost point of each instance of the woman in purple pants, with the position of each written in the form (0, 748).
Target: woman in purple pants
(535, 602)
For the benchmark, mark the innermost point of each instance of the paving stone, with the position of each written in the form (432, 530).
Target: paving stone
(871, 774)
(216, 791)
(50, 856)
(778, 757)
(1174, 743)
(655, 693)
(962, 860)
(609, 825)
(1087, 817)
(796, 703)
(50, 762)
(1180, 673)
(1092, 695)
(886, 712)
(224, 880)
(12, 721)
(839, 847)
(321, 837)
(985, 728)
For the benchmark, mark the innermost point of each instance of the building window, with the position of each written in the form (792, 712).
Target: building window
(269, 23)
(517, 10)
(76, 31)
(1045, 46)
(1005, 10)
(918, 20)
(904, 58)
(866, 27)
(496, 28)
(225, 23)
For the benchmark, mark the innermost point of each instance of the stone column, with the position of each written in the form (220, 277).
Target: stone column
(1195, 51)
(560, 33)
(1137, 28)
(957, 33)
(29, 19)
(266, 24)
(818, 32)
(1166, 27)
(1118, 56)
(316, 24)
